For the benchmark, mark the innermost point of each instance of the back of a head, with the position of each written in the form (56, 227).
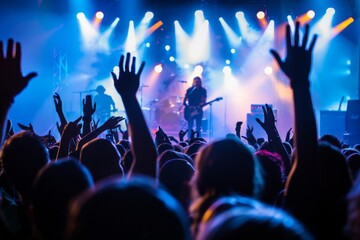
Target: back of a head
(335, 185)
(227, 166)
(273, 173)
(168, 155)
(125, 143)
(55, 186)
(336, 176)
(102, 159)
(164, 147)
(22, 156)
(175, 175)
(331, 139)
(133, 209)
(165, 156)
(194, 148)
(353, 162)
(127, 161)
(353, 217)
(253, 223)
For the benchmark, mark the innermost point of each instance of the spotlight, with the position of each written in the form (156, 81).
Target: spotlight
(158, 68)
(330, 11)
(99, 15)
(348, 62)
(199, 13)
(268, 70)
(198, 69)
(227, 70)
(171, 59)
(147, 44)
(80, 15)
(260, 15)
(149, 16)
(239, 14)
(167, 47)
(227, 61)
(232, 50)
(310, 14)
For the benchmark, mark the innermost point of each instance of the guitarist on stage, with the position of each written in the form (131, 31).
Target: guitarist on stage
(194, 100)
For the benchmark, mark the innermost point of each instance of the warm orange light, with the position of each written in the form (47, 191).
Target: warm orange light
(341, 26)
(154, 27)
(303, 19)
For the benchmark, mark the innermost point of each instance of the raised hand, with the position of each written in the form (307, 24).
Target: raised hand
(88, 108)
(288, 138)
(112, 122)
(127, 84)
(250, 136)
(26, 128)
(48, 139)
(171, 138)
(72, 129)
(269, 119)
(125, 134)
(182, 133)
(161, 137)
(57, 102)
(59, 110)
(12, 82)
(297, 64)
(238, 128)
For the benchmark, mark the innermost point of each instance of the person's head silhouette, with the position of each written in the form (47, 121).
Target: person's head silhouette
(100, 89)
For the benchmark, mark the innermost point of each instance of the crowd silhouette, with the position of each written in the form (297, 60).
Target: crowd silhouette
(136, 185)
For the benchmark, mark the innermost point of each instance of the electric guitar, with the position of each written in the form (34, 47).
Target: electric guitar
(192, 111)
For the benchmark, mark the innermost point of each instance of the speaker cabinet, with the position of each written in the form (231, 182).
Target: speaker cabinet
(352, 124)
(332, 122)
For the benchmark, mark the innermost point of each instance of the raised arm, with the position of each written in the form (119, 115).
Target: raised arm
(60, 112)
(111, 123)
(301, 187)
(143, 147)
(12, 82)
(273, 136)
(88, 111)
(71, 130)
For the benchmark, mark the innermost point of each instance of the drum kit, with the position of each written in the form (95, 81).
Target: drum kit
(169, 113)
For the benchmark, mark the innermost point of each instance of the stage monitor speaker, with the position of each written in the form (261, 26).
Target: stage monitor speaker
(352, 122)
(332, 122)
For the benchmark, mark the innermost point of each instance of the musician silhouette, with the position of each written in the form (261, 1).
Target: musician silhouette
(194, 100)
(104, 104)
